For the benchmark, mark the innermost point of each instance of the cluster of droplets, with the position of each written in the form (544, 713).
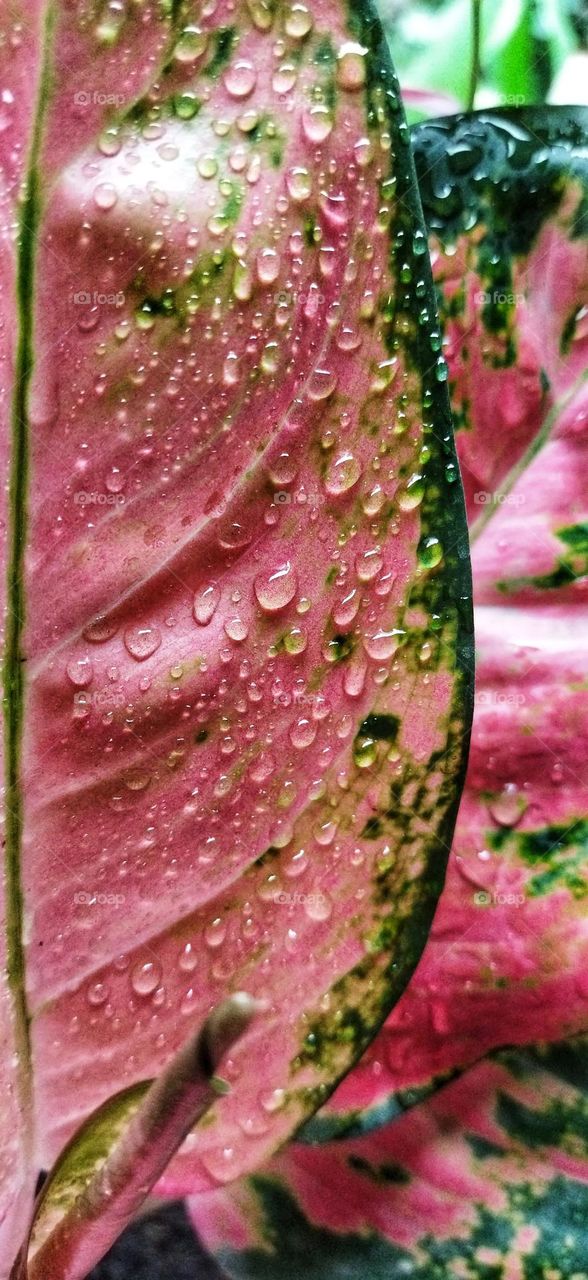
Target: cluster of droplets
(363, 633)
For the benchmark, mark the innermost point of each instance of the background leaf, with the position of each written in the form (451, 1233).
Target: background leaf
(489, 1178)
(525, 48)
(505, 199)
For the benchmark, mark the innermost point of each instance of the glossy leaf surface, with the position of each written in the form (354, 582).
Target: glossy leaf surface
(505, 200)
(238, 606)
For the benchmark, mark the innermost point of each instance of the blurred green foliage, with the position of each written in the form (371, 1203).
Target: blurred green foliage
(525, 44)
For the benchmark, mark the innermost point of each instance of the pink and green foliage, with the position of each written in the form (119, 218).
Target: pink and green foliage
(487, 1180)
(490, 1177)
(238, 661)
(507, 956)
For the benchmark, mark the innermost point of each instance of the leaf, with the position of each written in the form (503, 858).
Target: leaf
(488, 1179)
(524, 46)
(505, 200)
(239, 603)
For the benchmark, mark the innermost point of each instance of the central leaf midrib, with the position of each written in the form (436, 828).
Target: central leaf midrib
(14, 657)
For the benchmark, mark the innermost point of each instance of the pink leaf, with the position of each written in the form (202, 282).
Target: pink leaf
(239, 600)
(489, 1177)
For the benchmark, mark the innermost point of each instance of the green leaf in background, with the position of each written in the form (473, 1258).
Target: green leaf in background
(525, 44)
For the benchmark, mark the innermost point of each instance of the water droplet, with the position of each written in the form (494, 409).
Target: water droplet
(272, 1100)
(191, 45)
(318, 906)
(368, 564)
(295, 641)
(412, 495)
(270, 357)
(105, 196)
(373, 501)
(354, 676)
(205, 603)
(138, 780)
(236, 629)
(88, 319)
(321, 384)
(283, 469)
(242, 281)
(284, 78)
(187, 959)
(142, 642)
(299, 184)
(430, 552)
(508, 807)
(268, 266)
(240, 79)
(298, 21)
(317, 124)
(351, 66)
(365, 752)
(346, 609)
(342, 474)
(97, 994)
(186, 105)
(207, 166)
(215, 933)
(382, 644)
(276, 589)
(325, 834)
(302, 733)
(145, 977)
(80, 672)
(348, 339)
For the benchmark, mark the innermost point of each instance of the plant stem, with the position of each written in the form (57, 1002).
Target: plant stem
(113, 1192)
(476, 47)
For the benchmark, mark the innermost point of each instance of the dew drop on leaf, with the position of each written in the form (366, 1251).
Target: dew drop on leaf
(205, 604)
(342, 474)
(105, 196)
(145, 977)
(240, 79)
(430, 552)
(276, 589)
(80, 672)
(508, 807)
(142, 642)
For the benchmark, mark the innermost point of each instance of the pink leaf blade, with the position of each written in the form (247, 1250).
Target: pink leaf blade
(246, 571)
